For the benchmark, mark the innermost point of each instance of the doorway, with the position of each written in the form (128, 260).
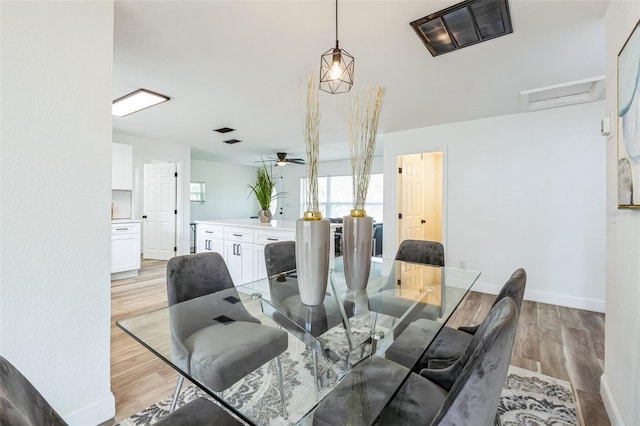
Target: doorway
(159, 211)
(419, 189)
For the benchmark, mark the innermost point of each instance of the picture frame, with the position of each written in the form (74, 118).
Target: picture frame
(628, 121)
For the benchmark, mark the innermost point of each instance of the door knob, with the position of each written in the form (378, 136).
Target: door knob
(423, 221)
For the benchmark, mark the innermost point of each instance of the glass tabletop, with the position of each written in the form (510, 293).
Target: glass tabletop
(347, 327)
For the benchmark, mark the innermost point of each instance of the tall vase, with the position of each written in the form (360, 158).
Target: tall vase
(357, 242)
(312, 259)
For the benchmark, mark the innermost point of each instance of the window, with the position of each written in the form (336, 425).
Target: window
(196, 192)
(335, 196)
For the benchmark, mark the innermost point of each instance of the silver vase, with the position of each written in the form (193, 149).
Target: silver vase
(357, 242)
(312, 259)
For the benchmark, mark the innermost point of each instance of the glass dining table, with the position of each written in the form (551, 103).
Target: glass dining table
(395, 318)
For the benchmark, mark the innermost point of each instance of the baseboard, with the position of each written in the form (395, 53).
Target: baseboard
(93, 414)
(125, 274)
(550, 298)
(609, 403)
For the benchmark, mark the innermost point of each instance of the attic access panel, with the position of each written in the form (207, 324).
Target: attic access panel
(463, 24)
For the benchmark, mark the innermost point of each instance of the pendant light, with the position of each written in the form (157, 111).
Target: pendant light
(336, 68)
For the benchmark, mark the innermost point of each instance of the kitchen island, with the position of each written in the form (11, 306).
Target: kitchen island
(241, 243)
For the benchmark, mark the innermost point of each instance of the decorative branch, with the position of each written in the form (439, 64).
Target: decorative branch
(312, 143)
(363, 112)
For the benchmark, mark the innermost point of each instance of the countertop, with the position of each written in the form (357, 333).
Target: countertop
(126, 220)
(253, 223)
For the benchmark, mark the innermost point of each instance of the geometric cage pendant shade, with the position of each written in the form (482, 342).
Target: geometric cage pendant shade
(336, 70)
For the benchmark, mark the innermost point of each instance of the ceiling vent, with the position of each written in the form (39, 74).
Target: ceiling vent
(224, 130)
(232, 141)
(463, 24)
(558, 95)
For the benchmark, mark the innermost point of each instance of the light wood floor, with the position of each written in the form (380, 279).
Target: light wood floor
(561, 342)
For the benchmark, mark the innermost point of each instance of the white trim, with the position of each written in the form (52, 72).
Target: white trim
(550, 298)
(95, 413)
(609, 403)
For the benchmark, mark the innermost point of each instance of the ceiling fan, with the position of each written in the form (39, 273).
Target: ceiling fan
(282, 160)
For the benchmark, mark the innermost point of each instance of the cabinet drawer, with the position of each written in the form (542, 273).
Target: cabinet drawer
(209, 231)
(266, 237)
(125, 228)
(238, 234)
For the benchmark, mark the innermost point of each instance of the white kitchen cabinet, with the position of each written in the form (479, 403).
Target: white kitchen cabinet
(262, 238)
(125, 248)
(121, 166)
(209, 238)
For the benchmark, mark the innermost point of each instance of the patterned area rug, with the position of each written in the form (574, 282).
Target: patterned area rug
(528, 398)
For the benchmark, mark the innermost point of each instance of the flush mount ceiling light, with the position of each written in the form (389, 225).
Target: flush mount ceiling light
(336, 68)
(463, 24)
(136, 101)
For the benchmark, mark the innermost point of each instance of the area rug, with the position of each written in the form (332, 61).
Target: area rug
(528, 398)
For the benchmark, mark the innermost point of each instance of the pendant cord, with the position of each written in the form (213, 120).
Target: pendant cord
(336, 21)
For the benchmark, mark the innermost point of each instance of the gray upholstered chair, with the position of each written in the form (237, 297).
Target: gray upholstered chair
(466, 394)
(22, 405)
(301, 320)
(473, 396)
(420, 251)
(416, 251)
(450, 343)
(222, 351)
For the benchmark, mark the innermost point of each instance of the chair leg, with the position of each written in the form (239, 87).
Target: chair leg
(176, 393)
(315, 370)
(281, 387)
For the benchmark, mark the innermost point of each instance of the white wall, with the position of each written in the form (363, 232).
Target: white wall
(292, 174)
(522, 190)
(227, 195)
(55, 167)
(148, 150)
(621, 380)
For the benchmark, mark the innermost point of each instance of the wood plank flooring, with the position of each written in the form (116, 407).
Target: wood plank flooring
(553, 340)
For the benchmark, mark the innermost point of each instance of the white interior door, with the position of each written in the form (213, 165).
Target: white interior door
(411, 202)
(420, 192)
(159, 214)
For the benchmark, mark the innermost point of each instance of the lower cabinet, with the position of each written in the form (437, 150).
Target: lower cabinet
(242, 247)
(125, 247)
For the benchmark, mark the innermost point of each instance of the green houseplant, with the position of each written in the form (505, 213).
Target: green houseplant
(263, 189)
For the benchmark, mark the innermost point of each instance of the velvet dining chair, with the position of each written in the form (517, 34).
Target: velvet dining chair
(466, 394)
(216, 352)
(22, 405)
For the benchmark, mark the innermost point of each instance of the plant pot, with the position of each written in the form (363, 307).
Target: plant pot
(264, 216)
(357, 242)
(312, 259)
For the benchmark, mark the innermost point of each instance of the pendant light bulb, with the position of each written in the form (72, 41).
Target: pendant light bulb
(336, 68)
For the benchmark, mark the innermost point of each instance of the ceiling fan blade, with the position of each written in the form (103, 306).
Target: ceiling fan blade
(296, 160)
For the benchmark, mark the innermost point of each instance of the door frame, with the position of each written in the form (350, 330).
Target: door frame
(183, 216)
(391, 233)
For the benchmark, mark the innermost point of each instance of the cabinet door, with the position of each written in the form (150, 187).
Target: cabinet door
(125, 252)
(121, 166)
(205, 243)
(259, 265)
(239, 259)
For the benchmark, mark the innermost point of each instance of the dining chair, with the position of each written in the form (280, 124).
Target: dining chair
(233, 343)
(428, 398)
(416, 251)
(22, 405)
(301, 320)
(450, 343)
(474, 394)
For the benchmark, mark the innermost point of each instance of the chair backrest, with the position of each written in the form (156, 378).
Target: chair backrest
(377, 239)
(20, 401)
(475, 395)
(514, 288)
(280, 257)
(195, 275)
(420, 251)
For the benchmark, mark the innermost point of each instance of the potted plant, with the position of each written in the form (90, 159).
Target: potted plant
(263, 188)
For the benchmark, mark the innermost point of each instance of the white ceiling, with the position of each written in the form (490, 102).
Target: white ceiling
(242, 64)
